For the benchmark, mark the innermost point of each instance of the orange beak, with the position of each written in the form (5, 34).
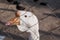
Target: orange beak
(15, 20)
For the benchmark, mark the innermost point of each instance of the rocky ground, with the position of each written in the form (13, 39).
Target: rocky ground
(49, 21)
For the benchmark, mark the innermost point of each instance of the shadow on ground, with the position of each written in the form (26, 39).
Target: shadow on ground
(30, 3)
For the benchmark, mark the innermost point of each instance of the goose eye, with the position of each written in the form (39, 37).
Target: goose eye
(25, 15)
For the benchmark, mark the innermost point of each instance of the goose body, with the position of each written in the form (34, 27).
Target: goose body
(29, 23)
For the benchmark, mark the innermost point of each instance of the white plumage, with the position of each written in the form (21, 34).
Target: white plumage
(29, 24)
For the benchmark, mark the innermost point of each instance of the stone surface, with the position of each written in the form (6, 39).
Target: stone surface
(47, 21)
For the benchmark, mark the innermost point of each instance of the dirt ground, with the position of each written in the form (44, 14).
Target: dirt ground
(49, 22)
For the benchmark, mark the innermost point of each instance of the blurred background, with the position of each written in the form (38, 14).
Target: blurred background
(47, 12)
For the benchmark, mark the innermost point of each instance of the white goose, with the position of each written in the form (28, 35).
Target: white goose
(26, 21)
